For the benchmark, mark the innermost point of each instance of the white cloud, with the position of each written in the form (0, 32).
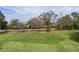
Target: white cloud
(26, 12)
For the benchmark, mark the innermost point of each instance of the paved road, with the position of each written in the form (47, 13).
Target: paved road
(29, 30)
(21, 30)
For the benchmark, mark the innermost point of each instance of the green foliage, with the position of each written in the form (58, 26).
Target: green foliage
(74, 36)
(75, 24)
(44, 20)
(64, 22)
(16, 24)
(13, 24)
(3, 23)
(59, 27)
(75, 15)
(48, 28)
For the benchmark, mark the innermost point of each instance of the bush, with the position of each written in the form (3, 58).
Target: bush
(74, 36)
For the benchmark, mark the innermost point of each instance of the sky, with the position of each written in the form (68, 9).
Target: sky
(24, 13)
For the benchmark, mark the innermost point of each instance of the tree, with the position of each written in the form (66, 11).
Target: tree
(14, 23)
(3, 23)
(47, 19)
(32, 23)
(21, 25)
(75, 16)
(64, 22)
(35, 23)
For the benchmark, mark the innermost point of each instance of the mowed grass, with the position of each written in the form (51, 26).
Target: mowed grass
(56, 41)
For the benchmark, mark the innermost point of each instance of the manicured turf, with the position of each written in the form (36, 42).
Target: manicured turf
(58, 41)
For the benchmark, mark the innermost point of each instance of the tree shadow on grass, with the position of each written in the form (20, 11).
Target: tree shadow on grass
(75, 36)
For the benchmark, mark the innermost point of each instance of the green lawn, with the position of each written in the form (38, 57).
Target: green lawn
(57, 41)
